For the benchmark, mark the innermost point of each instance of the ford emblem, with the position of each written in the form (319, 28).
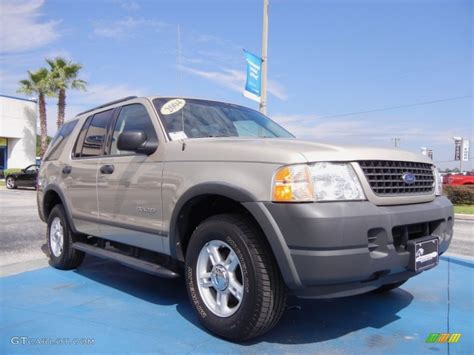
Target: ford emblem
(408, 178)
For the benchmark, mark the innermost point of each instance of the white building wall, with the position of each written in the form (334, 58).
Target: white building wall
(18, 125)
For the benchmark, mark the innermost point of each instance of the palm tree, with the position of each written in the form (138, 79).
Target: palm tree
(64, 77)
(39, 83)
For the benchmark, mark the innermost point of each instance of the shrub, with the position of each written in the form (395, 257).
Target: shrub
(7, 172)
(460, 195)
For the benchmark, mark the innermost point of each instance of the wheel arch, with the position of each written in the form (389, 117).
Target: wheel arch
(238, 200)
(194, 199)
(51, 197)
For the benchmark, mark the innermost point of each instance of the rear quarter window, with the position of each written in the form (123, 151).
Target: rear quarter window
(59, 141)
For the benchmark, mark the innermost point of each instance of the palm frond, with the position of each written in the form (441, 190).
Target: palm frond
(79, 84)
(64, 74)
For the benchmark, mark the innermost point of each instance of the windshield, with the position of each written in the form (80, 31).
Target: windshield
(190, 118)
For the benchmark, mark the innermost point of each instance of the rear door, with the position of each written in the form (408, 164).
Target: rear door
(129, 184)
(80, 174)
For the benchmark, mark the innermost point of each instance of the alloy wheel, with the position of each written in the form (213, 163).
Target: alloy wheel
(219, 278)
(56, 237)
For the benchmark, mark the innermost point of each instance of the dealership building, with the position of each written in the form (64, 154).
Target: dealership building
(17, 132)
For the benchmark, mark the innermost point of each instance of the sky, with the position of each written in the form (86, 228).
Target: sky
(357, 72)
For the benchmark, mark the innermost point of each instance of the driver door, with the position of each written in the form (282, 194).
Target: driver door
(129, 185)
(28, 176)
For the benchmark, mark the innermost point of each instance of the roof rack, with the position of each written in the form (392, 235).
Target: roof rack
(108, 104)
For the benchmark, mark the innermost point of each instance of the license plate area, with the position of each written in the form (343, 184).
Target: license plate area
(423, 253)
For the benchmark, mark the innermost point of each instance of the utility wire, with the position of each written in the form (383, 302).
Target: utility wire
(384, 108)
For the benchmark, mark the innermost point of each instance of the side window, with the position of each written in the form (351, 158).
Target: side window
(96, 134)
(132, 118)
(31, 169)
(59, 141)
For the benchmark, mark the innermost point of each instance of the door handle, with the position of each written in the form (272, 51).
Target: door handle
(107, 169)
(67, 169)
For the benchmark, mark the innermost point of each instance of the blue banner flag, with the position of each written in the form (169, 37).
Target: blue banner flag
(254, 71)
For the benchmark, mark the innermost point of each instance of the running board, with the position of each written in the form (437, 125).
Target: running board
(129, 261)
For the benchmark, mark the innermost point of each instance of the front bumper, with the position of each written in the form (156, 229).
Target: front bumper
(345, 248)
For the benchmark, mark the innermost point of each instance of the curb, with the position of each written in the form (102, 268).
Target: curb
(464, 217)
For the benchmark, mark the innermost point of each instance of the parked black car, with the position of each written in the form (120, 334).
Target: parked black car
(25, 178)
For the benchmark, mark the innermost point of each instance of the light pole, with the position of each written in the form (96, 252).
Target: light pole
(263, 94)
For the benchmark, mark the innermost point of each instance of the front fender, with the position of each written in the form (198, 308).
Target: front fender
(258, 211)
(217, 188)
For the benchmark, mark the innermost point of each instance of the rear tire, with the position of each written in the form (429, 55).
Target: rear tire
(10, 183)
(60, 238)
(227, 256)
(389, 287)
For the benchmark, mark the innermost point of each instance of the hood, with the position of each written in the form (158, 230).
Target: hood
(280, 151)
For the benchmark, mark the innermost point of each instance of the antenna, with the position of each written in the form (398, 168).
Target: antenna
(180, 79)
(178, 61)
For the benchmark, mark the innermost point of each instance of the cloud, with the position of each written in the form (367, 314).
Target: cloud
(235, 80)
(127, 28)
(219, 60)
(277, 89)
(101, 93)
(128, 5)
(231, 79)
(360, 131)
(9, 81)
(21, 28)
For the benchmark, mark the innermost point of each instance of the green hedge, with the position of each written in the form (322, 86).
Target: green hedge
(460, 195)
(9, 171)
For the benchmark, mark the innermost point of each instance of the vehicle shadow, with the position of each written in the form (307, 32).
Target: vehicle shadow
(312, 321)
(147, 287)
(304, 321)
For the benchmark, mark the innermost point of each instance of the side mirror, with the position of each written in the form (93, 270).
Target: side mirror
(136, 141)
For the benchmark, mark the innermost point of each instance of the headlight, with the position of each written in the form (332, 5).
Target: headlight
(438, 182)
(336, 182)
(293, 183)
(316, 182)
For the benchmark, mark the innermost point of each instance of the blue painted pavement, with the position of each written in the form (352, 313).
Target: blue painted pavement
(125, 311)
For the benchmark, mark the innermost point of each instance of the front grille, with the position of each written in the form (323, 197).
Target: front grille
(385, 177)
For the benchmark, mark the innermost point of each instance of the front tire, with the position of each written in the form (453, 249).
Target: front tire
(11, 183)
(232, 279)
(60, 238)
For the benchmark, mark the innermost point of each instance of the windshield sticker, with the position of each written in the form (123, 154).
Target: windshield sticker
(172, 106)
(178, 135)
